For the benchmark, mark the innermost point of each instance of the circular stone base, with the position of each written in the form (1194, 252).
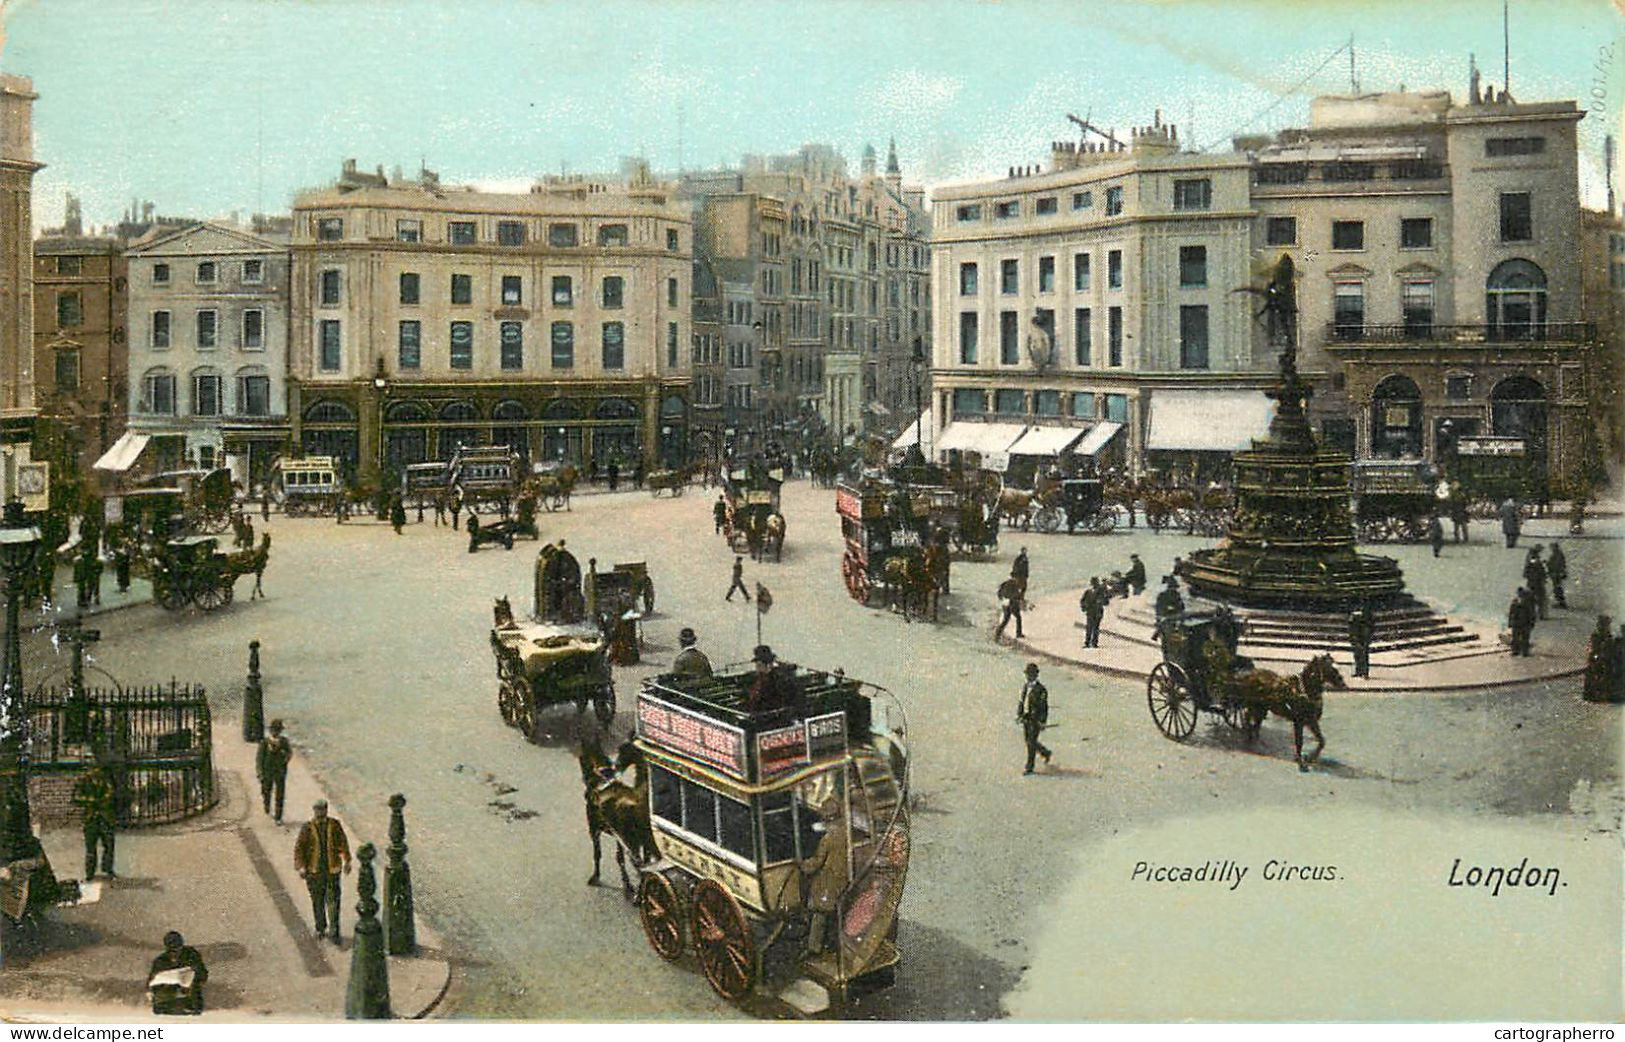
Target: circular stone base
(1325, 582)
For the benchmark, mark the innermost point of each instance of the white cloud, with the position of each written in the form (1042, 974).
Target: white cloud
(911, 94)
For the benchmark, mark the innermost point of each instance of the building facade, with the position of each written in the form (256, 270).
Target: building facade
(17, 169)
(81, 349)
(426, 317)
(208, 348)
(1602, 304)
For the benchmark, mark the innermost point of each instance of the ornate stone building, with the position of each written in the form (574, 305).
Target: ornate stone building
(424, 317)
(17, 169)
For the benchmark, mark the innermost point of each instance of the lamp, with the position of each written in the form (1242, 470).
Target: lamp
(19, 544)
(917, 367)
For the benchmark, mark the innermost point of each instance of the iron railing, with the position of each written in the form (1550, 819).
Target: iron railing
(1469, 334)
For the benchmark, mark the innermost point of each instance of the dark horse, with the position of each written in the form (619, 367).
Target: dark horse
(1296, 699)
(615, 807)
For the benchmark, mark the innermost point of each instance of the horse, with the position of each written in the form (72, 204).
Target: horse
(1015, 507)
(1297, 699)
(245, 562)
(502, 613)
(615, 807)
(908, 580)
(774, 538)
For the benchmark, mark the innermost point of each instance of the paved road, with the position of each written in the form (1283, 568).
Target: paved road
(376, 654)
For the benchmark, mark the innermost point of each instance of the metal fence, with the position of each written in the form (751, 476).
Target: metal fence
(156, 740)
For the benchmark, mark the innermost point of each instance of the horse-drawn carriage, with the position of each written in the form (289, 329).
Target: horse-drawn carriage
(423, 483)
(619, 599)
(673, 481)
(1078, 503)
(1205, 511)
(205, 498)
(890, 544)
(780, 835)
(753, 522)
(1487, 470)
(485, 475)
(192, 570)
(307, 486)
(553, 482)
(558, 656)
(1393, 500)
(966, 509)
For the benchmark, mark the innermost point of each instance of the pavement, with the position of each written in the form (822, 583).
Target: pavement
(226, 880)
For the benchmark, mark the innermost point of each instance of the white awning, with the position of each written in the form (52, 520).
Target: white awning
(123, 454)
(921, 429)
(979, 437)
(1097, 437)
(1046, 441)
(1216, 420)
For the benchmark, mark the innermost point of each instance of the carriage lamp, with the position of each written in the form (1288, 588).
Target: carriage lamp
(19, 543)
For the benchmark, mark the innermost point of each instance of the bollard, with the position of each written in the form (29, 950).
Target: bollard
(367, 997)
(253, 698)
(400, 928)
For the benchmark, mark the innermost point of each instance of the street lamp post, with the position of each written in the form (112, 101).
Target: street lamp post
(19, 544)
(916, 367)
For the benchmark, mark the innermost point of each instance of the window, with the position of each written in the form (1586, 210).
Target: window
(1046, 274)
(1045, 206)
(160, 273)
(67, 371)
(671, 293)
(1348, 310)
(512, 291)
(612, 235)
(671, 239)
(70, 265)
(208, 328)
(1114, 269)
(614, 345)
(1416, 233)
(70, 309)
(330, 229)
(969, 400)
(1114, 336)
(1083, 200)
(160, 329)
(1082, 335)
(1009, 276)
(253, 272)
(408, 230)
(462, 289)
(1083, 405)
(254, 395)
(1192, 266)
(510, 233)
(460, 233)
(160, 391)
(562, 235)
(967, 338)
(1516, 225)
(462, 345)
(672, 339)
(1006, 210)
(1348, 235)
(1193, 336)
(972, 212)
(1117, 408)
(1416, 307)
(1515, 300)
(564, 345)
(253, 330)
(1458, 386)
(1194, 194)
(409, 287)
(614, 291)
(1080, 272)
(563, 295)
(330, 345)
(1114, 200)
(332, 282)
(207, 272)
(1009, 338)
(967, 280)
(1514, 146)
(1011, 401)
(513, 345)
(205, 394)
(409, 344)
(1281, 231)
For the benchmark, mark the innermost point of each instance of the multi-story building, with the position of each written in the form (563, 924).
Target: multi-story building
(708, 430)
(17, 169)
(1438, 288)
(1602, 296)
(208, 321)
(425, 317)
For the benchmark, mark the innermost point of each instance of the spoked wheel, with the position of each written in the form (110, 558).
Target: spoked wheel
(1047, 519)
(723, 941)
(1235, 715)
(661, 910)
(678, 489)
(1168, 694)
(213, 593)
(171, 594)
(852, 575)
(1101, 522)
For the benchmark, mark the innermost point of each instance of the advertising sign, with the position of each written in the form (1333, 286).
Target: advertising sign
(692, 735)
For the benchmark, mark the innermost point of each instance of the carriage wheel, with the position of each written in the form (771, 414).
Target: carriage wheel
(661, 910)
(171, 594)
(524, 712)
(1168, 694)
(1101, 522)
(209, 594)
(603, 706)
(723, 941)
(849, 576)
(211, 524)
(506, 700)
(1047, 519)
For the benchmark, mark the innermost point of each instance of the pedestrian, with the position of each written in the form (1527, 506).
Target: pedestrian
(265, 503)
(1093, 604)
(95, 566)
(690, 661)
(1435, 534)
(614, 473)
(271, 768)
(321, 855)
(1520, 622)
(1459, 516)
(397, 513)
(1600, 663)
(1011, 594)
(176, 979)
(1362, 627)
(81, 575)
(1136, 575)
(1511, 523)
(738, 580)
(456, 508)
(94, 795)
(1557, 570)
(1019, 569)
(121, 561)
(1577, 515)
(1534, 577)
(1033, 712)
(637, 474)
(1169, 603)
(719, 513)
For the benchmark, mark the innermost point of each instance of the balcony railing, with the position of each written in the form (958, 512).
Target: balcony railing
(1480, 333)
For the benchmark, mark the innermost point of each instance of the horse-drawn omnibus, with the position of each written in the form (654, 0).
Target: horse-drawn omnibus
(782, 834)
(1393, 500)
(310, 485)
(422, 483)
(753, 521)
(1488, 469)
(888, 535)
(485, 475)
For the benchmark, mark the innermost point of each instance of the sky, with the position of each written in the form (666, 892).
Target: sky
(207, 107)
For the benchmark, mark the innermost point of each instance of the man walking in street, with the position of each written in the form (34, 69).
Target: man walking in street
(719, 513)
(1362, 627)
(1435, 534)
(1520, 622)
(265, 503)
(322, 855)
(94, 795)
(690, 661)
(1011, 595)
(1534, 578)
(1093, 604)
(1458, 517)
(614, 473)
(1019, 569)
(1033, 712)
(271, 767)
(397, 513)
(456, 508)
(1557, 569)
(738, 580)
(1510, 521)
(1136, 575)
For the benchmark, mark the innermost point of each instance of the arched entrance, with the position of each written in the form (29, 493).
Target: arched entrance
(409, 445)
(1515, 301)
(1396, 419)
(1518, 410)
(330, 430)
(453, 435)
(509, 428)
